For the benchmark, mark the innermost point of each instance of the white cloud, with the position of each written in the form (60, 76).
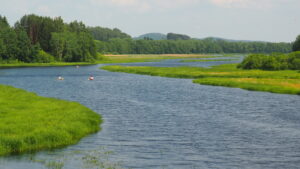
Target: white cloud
(259, 4)
(147, 5)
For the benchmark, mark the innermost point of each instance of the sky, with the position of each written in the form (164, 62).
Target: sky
(262, 20)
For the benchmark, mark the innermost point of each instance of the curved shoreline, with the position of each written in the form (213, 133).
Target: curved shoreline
(31, 123)
(227, 75)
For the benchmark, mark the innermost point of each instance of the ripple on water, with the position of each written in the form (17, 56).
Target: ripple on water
(155, 122)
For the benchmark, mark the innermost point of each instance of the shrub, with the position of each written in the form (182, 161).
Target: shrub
(274, 61)
(43, 57)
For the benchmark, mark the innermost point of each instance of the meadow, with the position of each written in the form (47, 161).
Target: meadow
(284, 81)
(29, 122)
(147, 57)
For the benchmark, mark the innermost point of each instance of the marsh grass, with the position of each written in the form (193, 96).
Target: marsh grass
(288, 86)
(285, 81)
(149, 58)
(29, 122)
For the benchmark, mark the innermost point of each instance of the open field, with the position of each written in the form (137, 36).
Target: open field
(287, 81)
(150, 58)
(29, 122)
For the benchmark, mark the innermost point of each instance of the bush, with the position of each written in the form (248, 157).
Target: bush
(294, 61)
(43, 57)
(274, 61)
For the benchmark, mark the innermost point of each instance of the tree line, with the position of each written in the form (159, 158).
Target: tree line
(209, 45)
(43, 39)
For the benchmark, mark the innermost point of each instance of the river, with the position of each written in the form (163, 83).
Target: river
(168, 123)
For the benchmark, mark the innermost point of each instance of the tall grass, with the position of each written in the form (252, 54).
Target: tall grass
(226, 70)
(285, 81)
(288, 86)
(149, 58)
(29, 122)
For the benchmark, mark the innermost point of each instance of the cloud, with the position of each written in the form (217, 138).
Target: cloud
(259, 4)
(147, 5)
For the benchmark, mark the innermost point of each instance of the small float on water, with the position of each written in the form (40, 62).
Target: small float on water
(60, 78)
(91, 77)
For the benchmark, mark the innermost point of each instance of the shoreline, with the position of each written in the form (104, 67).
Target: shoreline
(31, 123)
(226, 75)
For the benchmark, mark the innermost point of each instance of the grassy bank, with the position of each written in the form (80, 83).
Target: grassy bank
(287, 81)
(149, 58)
(12, 65)
(29, 122)
(287, 86)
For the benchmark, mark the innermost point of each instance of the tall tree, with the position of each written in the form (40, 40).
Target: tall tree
(296, 44)
(3, 22)
(39, 29)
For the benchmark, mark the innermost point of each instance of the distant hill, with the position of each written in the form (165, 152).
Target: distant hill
(153, 36)
(176, 36)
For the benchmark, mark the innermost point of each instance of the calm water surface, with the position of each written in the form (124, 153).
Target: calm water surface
(156, 122)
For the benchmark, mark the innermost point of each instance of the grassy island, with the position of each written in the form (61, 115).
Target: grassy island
(29, 122)
(284, 81)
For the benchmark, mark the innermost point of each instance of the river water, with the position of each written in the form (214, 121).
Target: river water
(168, 123)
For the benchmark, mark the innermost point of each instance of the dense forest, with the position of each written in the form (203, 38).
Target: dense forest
(209, 45)
(43, 39)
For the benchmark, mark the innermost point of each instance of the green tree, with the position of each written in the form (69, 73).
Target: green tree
(296, 44)
(3, 22)
(57, 44)
(24, 48)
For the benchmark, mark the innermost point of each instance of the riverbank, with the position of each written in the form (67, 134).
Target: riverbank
(30, 122)
(286, 82)
(13, 65)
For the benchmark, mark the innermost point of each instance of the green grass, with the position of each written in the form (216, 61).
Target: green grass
(286, 81)
(13, 65)
(208, 60)
(29, 122)
(287, 86)
(149, 57)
